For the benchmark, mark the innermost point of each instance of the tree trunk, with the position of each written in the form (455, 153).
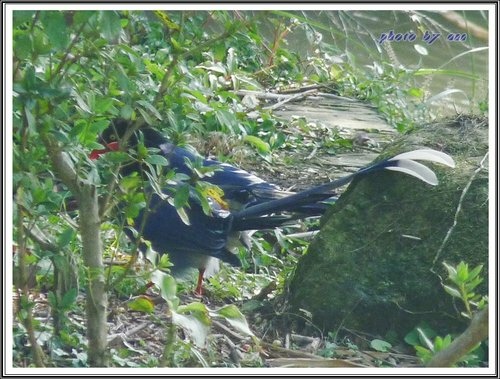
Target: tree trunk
(468, 340)
(96, 293)
(97, 300)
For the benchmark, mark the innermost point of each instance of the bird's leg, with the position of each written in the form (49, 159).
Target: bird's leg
(199, 288)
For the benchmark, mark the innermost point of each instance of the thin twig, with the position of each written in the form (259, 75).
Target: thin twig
(291, 98)
(457, 212)
(261, 94)
(227, 330)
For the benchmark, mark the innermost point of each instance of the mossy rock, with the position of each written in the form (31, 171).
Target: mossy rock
(376, 265)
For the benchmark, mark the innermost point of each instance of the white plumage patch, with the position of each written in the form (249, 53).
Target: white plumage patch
(426, 155)
(407, 165)
(418, 170)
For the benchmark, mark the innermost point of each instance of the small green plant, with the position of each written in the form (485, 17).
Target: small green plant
(462, 283)
(427, 344)
(195, 319)
(462, 286)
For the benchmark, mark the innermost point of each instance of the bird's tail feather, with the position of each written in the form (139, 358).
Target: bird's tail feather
(403, 163)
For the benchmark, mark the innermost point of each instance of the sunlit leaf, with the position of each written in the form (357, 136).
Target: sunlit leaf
(425, 339)
(452, 273)
(258, 143)
(141, 304)
(193, 325)
(183, 215)
(462, 272)
(452, 291)
(380, 345)
(234, 317)
(167, 286)
(166, 20)
(475, 272)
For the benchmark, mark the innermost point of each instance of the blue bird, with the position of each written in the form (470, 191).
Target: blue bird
(246, 202)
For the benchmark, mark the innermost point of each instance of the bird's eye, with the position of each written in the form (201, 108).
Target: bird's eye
(112, 137)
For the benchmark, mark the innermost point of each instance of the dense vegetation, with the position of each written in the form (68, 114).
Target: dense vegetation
(185, 73)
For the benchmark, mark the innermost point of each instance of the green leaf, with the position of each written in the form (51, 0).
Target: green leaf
(258, 143)
(226, 118)
(41, 43)
(195, 307)
(423, 353)
(151, 255)
(56, 28)
(168, 288)
(446, 341)
(109, 25)
(475, 272)
(424, 339)
(251, 83)
(135, 204)
(452, 291)
(102, 105)
(416, 92)
(438, 344)
(181, 196)
(51, 297)
(157, 160)
(21, 17)
(380, 345)
(167, 21)
(23, 46)
(194, 324)
(183, 215)
(69, 299)
(81, 102)
(452, 273)
(164, 262)
(146, 116)
(213, 66)
(462, 272)
(141, 304)
(126, 112)
(150, 107)
(65, 237)
(469, 286)
(155, 185)
(82, 16)
(30, 79)
(234, 317)
(130, 182)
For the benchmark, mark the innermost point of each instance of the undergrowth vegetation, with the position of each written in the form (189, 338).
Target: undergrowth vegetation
(194, 75)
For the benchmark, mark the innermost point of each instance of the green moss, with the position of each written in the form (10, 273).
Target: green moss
(372, 265)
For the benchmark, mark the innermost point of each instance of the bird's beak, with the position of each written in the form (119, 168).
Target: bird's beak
(113, 146)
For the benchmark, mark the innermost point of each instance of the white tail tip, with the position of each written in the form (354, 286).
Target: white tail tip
(427, 155)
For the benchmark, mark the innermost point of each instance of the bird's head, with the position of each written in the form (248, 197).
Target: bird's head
(121, 133)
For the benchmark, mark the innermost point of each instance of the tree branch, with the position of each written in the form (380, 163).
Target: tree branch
(473, 335)
(89, 224)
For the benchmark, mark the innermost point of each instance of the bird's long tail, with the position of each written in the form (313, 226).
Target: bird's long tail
(405, 162)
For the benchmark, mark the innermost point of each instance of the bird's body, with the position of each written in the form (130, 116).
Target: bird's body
(247, 202)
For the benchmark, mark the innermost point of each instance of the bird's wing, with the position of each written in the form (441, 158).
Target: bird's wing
(205, 234)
